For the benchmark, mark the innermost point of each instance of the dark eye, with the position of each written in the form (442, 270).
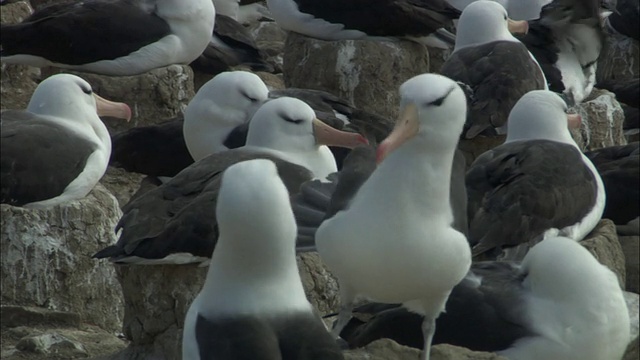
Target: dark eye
(295, 121)
(86, 90)
(436, 102)
(505, 17)
(253, 100)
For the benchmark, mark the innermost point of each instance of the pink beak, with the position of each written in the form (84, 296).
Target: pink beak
(111, 108)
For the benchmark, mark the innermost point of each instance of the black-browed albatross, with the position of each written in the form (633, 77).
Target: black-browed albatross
(121, 37)
(419, 20)
(173, 223)
(395, 241)
(495, 67)
(252, 304)
(560, 303)
(56, 149)
(537, 184)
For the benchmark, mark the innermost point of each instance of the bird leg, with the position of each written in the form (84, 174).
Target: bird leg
(428, 329)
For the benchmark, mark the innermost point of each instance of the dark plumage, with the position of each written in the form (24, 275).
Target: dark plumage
(626, 19)
(619, 168)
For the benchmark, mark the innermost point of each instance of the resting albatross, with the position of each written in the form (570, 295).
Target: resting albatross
(495, 67)
(537, 184)
(175, 222)
(58, 148)
(217, 119)
(252, 304)
(121, 37)
(560, 303)
(420, 20)
(395, 243)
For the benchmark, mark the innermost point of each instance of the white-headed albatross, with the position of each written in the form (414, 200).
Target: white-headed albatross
(58, 148)
(496, 68)
(217, 119)
(175, 222)
(111, 37)
(252, 304)
(560, 303)
(395, 242)
(419, 20)
(537, 184)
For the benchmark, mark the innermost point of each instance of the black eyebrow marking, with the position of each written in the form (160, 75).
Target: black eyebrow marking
(244, 93)
(440, 100)
(85, 90)
(286, 117)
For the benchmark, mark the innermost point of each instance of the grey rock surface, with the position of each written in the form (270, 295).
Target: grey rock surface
(631, 249)
(46, 258)
(619, 58)
(603, 243)
(367, 73)
(602, 121)
(385, 349)
(121, 183)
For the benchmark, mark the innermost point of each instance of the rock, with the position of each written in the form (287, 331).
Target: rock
(157, 298)
(50, 343)
(630, 248)
(633, 303)
(14, 316)
(154, 97)
(367, 73)
(121, 183)
(273, 81)
(602, 121)
(619, 58)
(319, 284)
(270, 38)
(46, 258)
(18, 81)
(385, 349)
(603, 243)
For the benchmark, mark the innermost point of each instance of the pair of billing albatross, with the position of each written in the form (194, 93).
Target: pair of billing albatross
(253, 305)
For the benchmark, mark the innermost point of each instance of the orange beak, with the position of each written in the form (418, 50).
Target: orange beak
(518, 26)
(406, 127)
(111, 108)
(574, 121)
(326, 135)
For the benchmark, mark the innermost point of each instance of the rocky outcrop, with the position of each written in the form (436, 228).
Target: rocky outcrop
(46, 258)
(633, 304)
(619, 58)
(631, 249)
(602, 121)
(157, 299)
(365, 72)
(121, 183)
(154, 97)
(603, 243)
(39, 334)
(385, 349)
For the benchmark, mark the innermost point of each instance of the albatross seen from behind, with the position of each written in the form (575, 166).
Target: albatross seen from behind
(395, 242)
(252, 304)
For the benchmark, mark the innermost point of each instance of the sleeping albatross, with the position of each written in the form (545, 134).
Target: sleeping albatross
(495, 67)
(121, 37)
(175, 222)
(252, 304)
(58, 148)
(560, 303)
(395, 243)
(217, 119)
(419, 20)
(537, 184)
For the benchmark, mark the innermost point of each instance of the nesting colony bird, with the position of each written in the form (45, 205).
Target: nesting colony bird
(566, 41)
(422, 20)
(537, 184)
(217, 119)
(395, 243)
(560, 303)
(252, 304)
(58, 148)
(121, 37)
(173, 223)
(493, 65)
(517, 9)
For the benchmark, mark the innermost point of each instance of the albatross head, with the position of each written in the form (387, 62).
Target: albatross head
(70, 97)
(541, 114)
(432, 109)
(486, 21)
(290, 125)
